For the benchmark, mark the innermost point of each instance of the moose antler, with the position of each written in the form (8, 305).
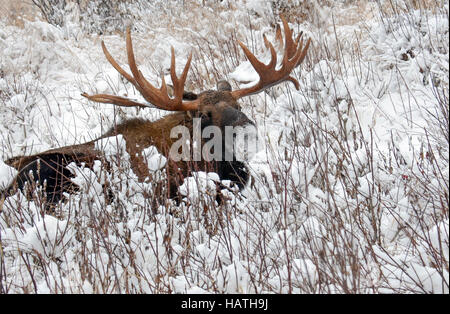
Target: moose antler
(294, 53)
(157, 97)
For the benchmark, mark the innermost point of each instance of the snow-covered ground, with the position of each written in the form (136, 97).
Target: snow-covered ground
(348, 194)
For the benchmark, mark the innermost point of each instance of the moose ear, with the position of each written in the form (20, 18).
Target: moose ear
(223, 86)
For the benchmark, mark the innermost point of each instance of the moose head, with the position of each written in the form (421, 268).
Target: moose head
(219, 108)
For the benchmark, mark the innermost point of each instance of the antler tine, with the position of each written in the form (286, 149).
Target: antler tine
(178, 83)
(116, 66)
(157, 97)
(289, 45)
(146, 89)
(294, 54)
(115, 100)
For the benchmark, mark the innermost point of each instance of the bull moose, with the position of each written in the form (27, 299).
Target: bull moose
(218, 108)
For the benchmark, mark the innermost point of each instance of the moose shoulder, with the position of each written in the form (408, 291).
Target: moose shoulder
(218, 108)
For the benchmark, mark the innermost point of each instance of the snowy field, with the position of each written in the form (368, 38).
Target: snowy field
(349, 193)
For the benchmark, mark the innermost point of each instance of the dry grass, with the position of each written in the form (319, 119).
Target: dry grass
(15, 12)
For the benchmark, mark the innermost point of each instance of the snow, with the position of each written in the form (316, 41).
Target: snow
(48, 237)
(7, 175)
(200, 183)
(349, 185)
(155, 161)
